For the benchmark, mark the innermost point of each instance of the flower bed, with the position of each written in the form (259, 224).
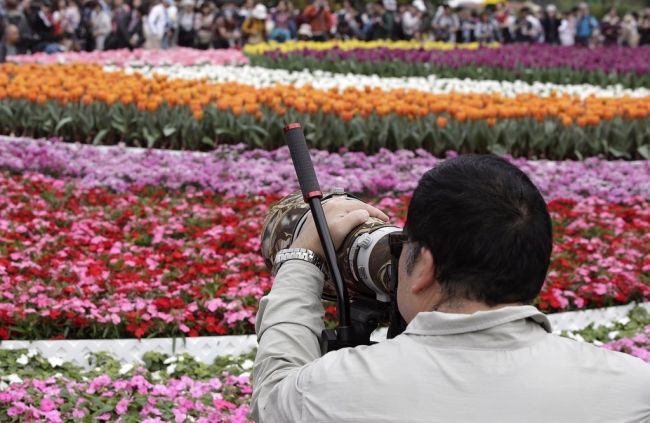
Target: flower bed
(82, 102)
(260, 77)
(81, 262)
(538, 62)
(164, 388)
(140, 57)
(233, 170)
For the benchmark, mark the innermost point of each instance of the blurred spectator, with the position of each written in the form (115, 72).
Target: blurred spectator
(629, 32)
(412, 20)
(486, 29)
(611, 27)
(528, 27)
(283, 22)
(349, 22)
(254, 27)
(206, 25)
(226, 29)
(10, 42)
(567, 28)
(187, 24)
(586, 26)
(381, 23)
(131, 26)
(101, 25)
(506, 22)
(445, 24)
(551, 25)
(319, 18)
(155, 25)
(644, 28)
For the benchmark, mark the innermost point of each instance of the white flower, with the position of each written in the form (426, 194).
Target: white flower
(171, 369)
(55, 361)
(613, 334)
(624, 321)
(247, 365)
(125, 368)
(170, 360)
(13, 378)
(598, 343)
(181, 359)
(3, 386)
(155, 375)
(260, 77)
(58, 375)
(32, 352)
(22, 360)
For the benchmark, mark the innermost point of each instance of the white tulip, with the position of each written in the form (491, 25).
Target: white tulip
(22, 360)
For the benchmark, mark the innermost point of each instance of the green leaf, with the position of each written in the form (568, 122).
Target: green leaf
(61, 124)
(169, 130)
(100, 136)
(644, 151)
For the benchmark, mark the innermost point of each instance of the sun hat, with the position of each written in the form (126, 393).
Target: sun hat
(259, 12)
(419, 5)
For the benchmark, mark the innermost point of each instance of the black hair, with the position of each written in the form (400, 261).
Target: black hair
(487, 228)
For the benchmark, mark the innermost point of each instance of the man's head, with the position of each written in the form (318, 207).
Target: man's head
(478, 231)
(12, 35)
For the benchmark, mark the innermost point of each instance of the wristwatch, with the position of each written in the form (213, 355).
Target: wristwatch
(297, 254)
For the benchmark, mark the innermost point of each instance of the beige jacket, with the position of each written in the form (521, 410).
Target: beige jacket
(494, 366)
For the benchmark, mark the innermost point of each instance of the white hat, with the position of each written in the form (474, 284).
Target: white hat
(305, 30)
(551, 8)
(419, 5)
(259, 12)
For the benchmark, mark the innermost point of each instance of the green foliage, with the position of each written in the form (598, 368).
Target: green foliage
(400, 68)
(176, 128)
(636, 321)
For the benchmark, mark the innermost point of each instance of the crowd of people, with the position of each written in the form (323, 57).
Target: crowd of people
(44, 25)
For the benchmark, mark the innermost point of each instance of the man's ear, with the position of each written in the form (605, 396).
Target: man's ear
(423, 272)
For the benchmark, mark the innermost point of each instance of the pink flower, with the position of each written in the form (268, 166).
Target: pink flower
(122, 406)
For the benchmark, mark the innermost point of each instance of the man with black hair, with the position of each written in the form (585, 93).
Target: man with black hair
(476, 254)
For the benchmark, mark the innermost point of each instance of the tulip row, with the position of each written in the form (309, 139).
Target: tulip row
(140, 57)
(234, 170)
(83, 102)
(92, 263)
(162, 389)
(601, 66)
(260, 77)
(348, 45)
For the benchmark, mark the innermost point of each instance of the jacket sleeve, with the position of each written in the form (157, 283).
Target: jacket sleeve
(289, 326)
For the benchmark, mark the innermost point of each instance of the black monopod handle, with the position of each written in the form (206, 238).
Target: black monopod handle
(312, 194)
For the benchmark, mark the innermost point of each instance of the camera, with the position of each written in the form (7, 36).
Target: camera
(364, 257)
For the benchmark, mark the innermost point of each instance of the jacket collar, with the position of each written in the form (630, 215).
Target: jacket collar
(501, 328)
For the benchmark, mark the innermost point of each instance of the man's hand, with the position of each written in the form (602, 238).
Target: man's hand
(343, 214)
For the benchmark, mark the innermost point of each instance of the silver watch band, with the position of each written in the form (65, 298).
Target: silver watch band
(297, 254)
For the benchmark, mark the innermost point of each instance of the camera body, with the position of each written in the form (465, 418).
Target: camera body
(364, 256)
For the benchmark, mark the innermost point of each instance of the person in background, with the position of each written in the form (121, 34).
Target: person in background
(116, 39)
(487, 29)
(551, 25)
(155, 25)
(101, 25)
(226, 28)
(611, 27)
(283, 23)
(567, 30)
(43, 26)
(15, 16)
(381, 23)
(246, 10)
(10, 42)
(171, 24)
(445, 24)
(468, 21)
(205, 26)
(132, 26)
(412, 20)
(390, 10)
(629, 32)
(187, 24)
(644, 28)
(319, 18)
(529, 28)
(71, 17)
(586, 26)
(254, 27)
(506, 22)
(349, 22)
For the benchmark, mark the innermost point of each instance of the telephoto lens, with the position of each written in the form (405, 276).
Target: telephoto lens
(364, 256)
